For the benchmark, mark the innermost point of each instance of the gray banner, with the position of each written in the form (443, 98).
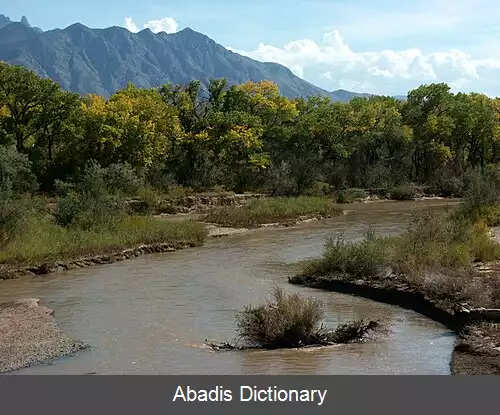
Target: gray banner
(92, 395)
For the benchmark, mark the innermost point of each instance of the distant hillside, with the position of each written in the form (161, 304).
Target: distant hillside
(102, 61)
(4, 21)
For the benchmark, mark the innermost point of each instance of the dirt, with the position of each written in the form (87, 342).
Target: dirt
(195, 204)
(30, 335)
(8, 271)
(215, 231)
(477, 351)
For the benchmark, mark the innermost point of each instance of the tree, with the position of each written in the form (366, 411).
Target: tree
(24, 95)
(428, 113)
(134, 126)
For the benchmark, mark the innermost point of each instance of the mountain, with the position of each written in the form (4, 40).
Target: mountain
(343, 95)
(101, 61)
(4, 21)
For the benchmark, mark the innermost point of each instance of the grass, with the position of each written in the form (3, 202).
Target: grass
(42, 240)
(275, 210)
(291, 320)
(435, 254)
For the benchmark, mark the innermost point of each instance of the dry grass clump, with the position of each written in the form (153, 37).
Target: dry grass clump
(290, 320)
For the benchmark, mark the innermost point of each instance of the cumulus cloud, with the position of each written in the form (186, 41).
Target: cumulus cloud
(130, 25)
(167, 24)
(333, 64)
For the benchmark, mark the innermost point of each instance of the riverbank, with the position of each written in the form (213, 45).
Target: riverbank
(46, 248)
(477, 350)
(204, 203)
(283, 211)
(30, 335)
(12, 271)
(442, 268)
(193, 279)
(16, 271)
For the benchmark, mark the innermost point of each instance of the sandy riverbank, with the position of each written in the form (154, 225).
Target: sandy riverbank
(29, 335)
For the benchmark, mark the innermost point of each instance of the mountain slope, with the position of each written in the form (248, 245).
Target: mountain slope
(4, 21)
(102, 61)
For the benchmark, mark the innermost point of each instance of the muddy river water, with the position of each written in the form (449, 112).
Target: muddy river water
(151, 315)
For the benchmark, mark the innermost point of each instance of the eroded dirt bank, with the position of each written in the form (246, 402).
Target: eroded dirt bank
(477, 351)
(10, 271)
(14, 271)
(29, 335)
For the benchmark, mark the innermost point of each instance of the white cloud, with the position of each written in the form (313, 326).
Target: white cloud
(167, 24)
(334, 64)
(130, 25)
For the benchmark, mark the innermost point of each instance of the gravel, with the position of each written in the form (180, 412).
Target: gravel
(30, 335)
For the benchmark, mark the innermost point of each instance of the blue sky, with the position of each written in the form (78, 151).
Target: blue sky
(380, 47)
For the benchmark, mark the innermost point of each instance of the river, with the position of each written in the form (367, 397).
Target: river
(152, 314)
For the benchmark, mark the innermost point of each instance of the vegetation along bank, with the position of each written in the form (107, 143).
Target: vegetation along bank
(443, 267)
(70, 164)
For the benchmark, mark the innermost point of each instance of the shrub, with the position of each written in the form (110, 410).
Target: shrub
(280, 181)
(122, 179)
(366, 258)
(285, 321)
(93, 201)
(430, 241)
(319, 189)
(15, 211)
(12, 215)
(482, 246)
(354, 195)
(492, 215)
(341, 198)
(69, 207)
(403, 192)
(116, 179)
(159, 177)
(15, 171)
(481, 193)
(88, 211)
(351, 195)
(448, 187)
(290, 320)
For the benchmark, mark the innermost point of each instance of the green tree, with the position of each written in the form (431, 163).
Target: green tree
(23, 95)
(428, 113)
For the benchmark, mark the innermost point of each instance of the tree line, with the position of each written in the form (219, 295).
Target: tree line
(244, 137)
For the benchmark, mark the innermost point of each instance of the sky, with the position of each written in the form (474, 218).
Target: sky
(381, 47)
